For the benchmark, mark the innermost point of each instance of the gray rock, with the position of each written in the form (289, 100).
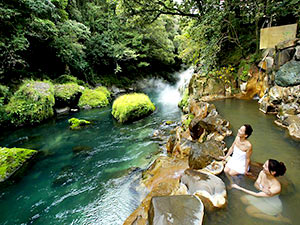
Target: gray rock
(294, 130)
(203, 154)
(265, 106)
(297, 53)
(282, 57)
(176, 210)
(288, 109)
(276, 95)
(206, 186)
(214, 122)
(288, 75)
(64, 110)
(286, 44)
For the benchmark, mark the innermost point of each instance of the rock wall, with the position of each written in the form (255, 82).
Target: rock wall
(282, 97)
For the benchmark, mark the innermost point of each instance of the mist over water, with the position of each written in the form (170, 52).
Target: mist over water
(89, 176)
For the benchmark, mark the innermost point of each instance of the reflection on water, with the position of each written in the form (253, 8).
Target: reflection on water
(269, 141)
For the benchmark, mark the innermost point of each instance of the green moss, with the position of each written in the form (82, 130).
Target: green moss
(67, 92)
(11, 159)
(184, 101)
(77, 123)
(131, 107)
(32, 103)
(98, 97)
(187, 122)
(66, 78)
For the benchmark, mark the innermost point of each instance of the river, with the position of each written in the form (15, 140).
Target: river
(91, 176)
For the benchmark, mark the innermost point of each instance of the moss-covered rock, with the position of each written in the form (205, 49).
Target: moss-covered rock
(98, 97)
(77, 123)
(132, 107)
(11, 159)
(32, 103)
(66, 78)
(67, 94)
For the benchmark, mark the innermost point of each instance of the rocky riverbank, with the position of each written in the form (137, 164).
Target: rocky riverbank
(191, 164)
(189, 169)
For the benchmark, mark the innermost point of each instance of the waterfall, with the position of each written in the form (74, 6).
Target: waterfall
(171, 95)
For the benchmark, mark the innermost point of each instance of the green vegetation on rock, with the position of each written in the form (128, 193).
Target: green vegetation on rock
(98, 97)
(64, 79)
(131, 107)
(11, 159)
(185, 99)
(77, 123)
(32, 103)
(67, 92)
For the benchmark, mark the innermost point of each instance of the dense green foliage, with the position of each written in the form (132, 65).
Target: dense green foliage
(92, 40)
(77, 123)
(11, 159)
(215, 33)
(98, 97)
(131, 107)
(32, 103)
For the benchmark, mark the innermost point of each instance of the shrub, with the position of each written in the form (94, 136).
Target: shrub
(4, 94)
(66, 78)
(98, 97)
(131, 107)
(32, 103)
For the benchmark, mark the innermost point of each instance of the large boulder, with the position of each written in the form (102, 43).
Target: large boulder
(288, 74)
(12, 159)
(32, 103)
(131, 107)
(203, 154)
(214, 122)
(209, 188)
(177, 210)
(67, 94)
(283, 56)
(95, 98)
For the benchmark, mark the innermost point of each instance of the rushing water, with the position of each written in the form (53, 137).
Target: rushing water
(89, 176)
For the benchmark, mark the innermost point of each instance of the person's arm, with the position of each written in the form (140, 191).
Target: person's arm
(274, 190)
(230, 150)
(248, 156)
(257, 194)
(258, 181)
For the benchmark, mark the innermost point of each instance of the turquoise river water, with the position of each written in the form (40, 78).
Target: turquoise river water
(91, 176)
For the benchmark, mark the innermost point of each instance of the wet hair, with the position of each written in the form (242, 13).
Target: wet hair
(277, 167)
(248, 130)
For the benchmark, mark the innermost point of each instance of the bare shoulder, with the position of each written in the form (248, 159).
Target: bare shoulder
(249, 145)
